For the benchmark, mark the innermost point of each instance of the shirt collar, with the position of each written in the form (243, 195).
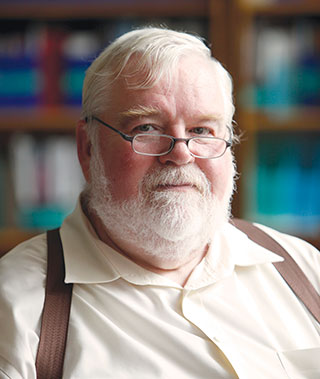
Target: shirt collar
(90, 260)
(230, 248)
(83, 260)
(245, 252)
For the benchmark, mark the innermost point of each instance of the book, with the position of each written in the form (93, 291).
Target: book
(47, 179)
(285, 184)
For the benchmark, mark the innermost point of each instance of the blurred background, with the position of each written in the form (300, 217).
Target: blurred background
(271, 48)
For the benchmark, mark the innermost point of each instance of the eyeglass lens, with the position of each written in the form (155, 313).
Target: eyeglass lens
(158, 145)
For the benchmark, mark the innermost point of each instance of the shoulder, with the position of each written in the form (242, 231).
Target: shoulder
(306, 255)
(27, 259)
(23, 270)
(22, 287)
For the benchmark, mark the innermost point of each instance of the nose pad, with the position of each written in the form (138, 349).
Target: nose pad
(179, 155)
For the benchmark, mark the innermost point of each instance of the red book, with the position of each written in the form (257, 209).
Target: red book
(51, 66)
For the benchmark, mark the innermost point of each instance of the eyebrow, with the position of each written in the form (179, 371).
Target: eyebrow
(210, 117)
(147, 111)
(138, 111)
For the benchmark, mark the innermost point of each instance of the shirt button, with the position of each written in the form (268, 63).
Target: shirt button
(216, 339)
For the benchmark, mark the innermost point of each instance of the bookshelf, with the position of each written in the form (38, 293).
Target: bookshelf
(234, 28)
(37, 42)
(276, 66)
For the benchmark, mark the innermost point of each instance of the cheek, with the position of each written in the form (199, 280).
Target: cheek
(124, 170)
(220, 174)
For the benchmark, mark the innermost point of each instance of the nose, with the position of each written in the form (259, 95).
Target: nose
(178, 156)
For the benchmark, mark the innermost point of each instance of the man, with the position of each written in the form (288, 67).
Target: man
(164, 285)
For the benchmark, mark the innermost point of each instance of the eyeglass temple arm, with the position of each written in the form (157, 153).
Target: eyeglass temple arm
(123, 135)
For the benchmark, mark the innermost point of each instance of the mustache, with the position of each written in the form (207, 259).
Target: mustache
(167, 176)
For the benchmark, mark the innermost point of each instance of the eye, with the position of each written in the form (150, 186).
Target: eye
(145, 128)
(202, 131)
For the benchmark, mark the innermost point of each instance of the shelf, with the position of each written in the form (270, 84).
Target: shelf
(102, 9)
(39, 119)
(295, 119)
(65, 118)
(281, 9)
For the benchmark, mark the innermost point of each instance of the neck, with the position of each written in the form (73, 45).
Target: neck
(176, 269)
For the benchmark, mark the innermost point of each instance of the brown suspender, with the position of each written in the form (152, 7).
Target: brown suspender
(55, 317)
(56, 311)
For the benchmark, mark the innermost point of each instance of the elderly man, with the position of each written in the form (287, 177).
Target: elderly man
(163, 285)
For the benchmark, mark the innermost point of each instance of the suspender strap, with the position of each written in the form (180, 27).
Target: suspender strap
(55, 317)
(289, 269)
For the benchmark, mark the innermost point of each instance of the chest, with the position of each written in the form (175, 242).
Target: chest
(231, 329)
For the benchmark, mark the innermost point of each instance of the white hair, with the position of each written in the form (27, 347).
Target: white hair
(153, 52)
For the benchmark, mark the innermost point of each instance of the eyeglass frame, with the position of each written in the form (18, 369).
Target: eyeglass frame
(128, 138)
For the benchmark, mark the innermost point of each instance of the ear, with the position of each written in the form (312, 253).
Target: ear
(83, 148)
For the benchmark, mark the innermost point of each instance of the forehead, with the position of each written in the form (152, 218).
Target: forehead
(192, 86)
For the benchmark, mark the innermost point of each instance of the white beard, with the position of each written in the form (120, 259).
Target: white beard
(164, 223)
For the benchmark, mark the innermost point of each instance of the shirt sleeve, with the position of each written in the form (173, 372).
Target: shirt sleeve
(22, 283)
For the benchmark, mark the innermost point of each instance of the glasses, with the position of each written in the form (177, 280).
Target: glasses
(157, 145)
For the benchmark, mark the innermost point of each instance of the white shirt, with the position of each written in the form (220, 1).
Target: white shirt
(235, 317)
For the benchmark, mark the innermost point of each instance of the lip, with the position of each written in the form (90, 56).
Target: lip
(176, 187)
